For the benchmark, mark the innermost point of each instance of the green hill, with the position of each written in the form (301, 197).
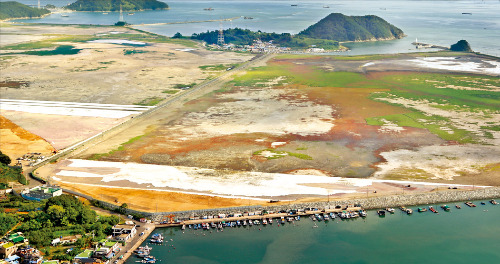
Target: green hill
(340, 27)
(114, 5)
(13, 9)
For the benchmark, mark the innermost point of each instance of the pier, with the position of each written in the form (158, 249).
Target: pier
(421, 45)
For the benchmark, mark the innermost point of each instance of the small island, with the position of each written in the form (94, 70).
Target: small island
(325, 35)
(115, 5)
(343, 28)
(11, 9)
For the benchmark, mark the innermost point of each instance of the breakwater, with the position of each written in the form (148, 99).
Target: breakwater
(366, 203)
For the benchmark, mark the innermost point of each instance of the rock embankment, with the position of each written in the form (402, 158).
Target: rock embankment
(366, 203)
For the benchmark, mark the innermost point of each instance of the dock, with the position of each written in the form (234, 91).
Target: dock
(421, 45)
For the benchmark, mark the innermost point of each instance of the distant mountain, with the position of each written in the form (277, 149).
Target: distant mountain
(13, 9)
(340, 27)
(114, 5)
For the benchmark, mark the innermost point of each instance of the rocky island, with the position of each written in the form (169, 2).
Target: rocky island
(115, 5)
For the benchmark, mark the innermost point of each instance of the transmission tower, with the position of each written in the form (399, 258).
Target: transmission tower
(220, 38)
(121, 14)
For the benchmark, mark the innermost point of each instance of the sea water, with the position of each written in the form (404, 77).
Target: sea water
(436, 22)
(467, 235)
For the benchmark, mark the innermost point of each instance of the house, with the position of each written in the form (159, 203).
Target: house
(106, 250)
(124, 232)
(66, 240)
(7, 249)
(14, 259)
(85, 254)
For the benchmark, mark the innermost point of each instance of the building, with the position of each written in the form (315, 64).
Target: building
(66, 240)
(124, 232)
(17, 238)
(39, 193)
(87, 253)
(7, 249)
(106, 250)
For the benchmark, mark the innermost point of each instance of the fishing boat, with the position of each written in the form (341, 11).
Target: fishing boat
(282, 220)
(250, 223)
(208, 9)
(325, 216)
(390, 210)
(432, 209)
(256, 222)
(362, 213)
(483, 203)
(381, 213)
(183, 227)
(422, 209)
(64, 15)
(458, 206)
(297, 218)
(445, 207)
(131, 14)
(294, 5)
(470, 204)
(156, 238)
(402, 208)
(213, 225)
(264, 221)
(318, 217)
(270, 220)
(105, 13)
(326, 6)
(409, 211)
(493, 202)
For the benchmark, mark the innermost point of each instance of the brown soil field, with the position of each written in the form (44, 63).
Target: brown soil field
(16, 141)
(163, 201)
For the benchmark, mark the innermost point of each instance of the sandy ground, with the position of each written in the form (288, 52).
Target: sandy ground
(101, 72)
(16, 141)
(63, 130)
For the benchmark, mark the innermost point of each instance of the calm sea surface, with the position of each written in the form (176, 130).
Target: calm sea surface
(468, 235)
(436, 22)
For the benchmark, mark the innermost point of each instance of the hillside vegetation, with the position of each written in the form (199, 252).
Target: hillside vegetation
(13, 9)
(238, 36)
(340, 27)
(114, 5)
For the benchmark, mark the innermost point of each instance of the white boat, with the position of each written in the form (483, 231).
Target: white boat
(64, 15)
(264, 221)
(105, 13)
(270, 221)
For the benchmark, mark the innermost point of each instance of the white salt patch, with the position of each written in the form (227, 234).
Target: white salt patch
(185, 50)
(368, 64)
(260, 140)
(452, 64)
(443, 162)
(236, 184)
(275, 144)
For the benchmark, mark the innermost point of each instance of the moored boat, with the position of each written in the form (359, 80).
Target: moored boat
(493, 202)
(390, 210)
(432, 209)
(445, 207)
(409, 211)
(458, 206)
(381, 213)
(422, 209)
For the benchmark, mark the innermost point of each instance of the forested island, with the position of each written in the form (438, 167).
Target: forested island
(340, 27)
(114, 5)
(13, 9)
(326, 34)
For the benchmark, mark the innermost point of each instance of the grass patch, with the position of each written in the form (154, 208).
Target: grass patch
(218, 67)
(150, 101)
(134, 51)
(184, 86)
(107, 62)
(170, 91)
(120, 148)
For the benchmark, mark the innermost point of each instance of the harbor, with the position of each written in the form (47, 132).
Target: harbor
(320, 237)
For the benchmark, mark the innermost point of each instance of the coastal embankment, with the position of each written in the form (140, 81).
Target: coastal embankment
(366, 203)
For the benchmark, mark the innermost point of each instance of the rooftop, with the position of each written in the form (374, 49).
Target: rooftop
(85, 254)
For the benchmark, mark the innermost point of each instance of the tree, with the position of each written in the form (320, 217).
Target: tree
(4, 159)
(177, 35)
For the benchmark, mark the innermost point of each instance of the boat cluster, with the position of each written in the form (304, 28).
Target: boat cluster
(156, 239)
(342, 215)
(143, 252)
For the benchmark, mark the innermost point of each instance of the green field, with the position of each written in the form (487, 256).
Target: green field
(457, 107)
